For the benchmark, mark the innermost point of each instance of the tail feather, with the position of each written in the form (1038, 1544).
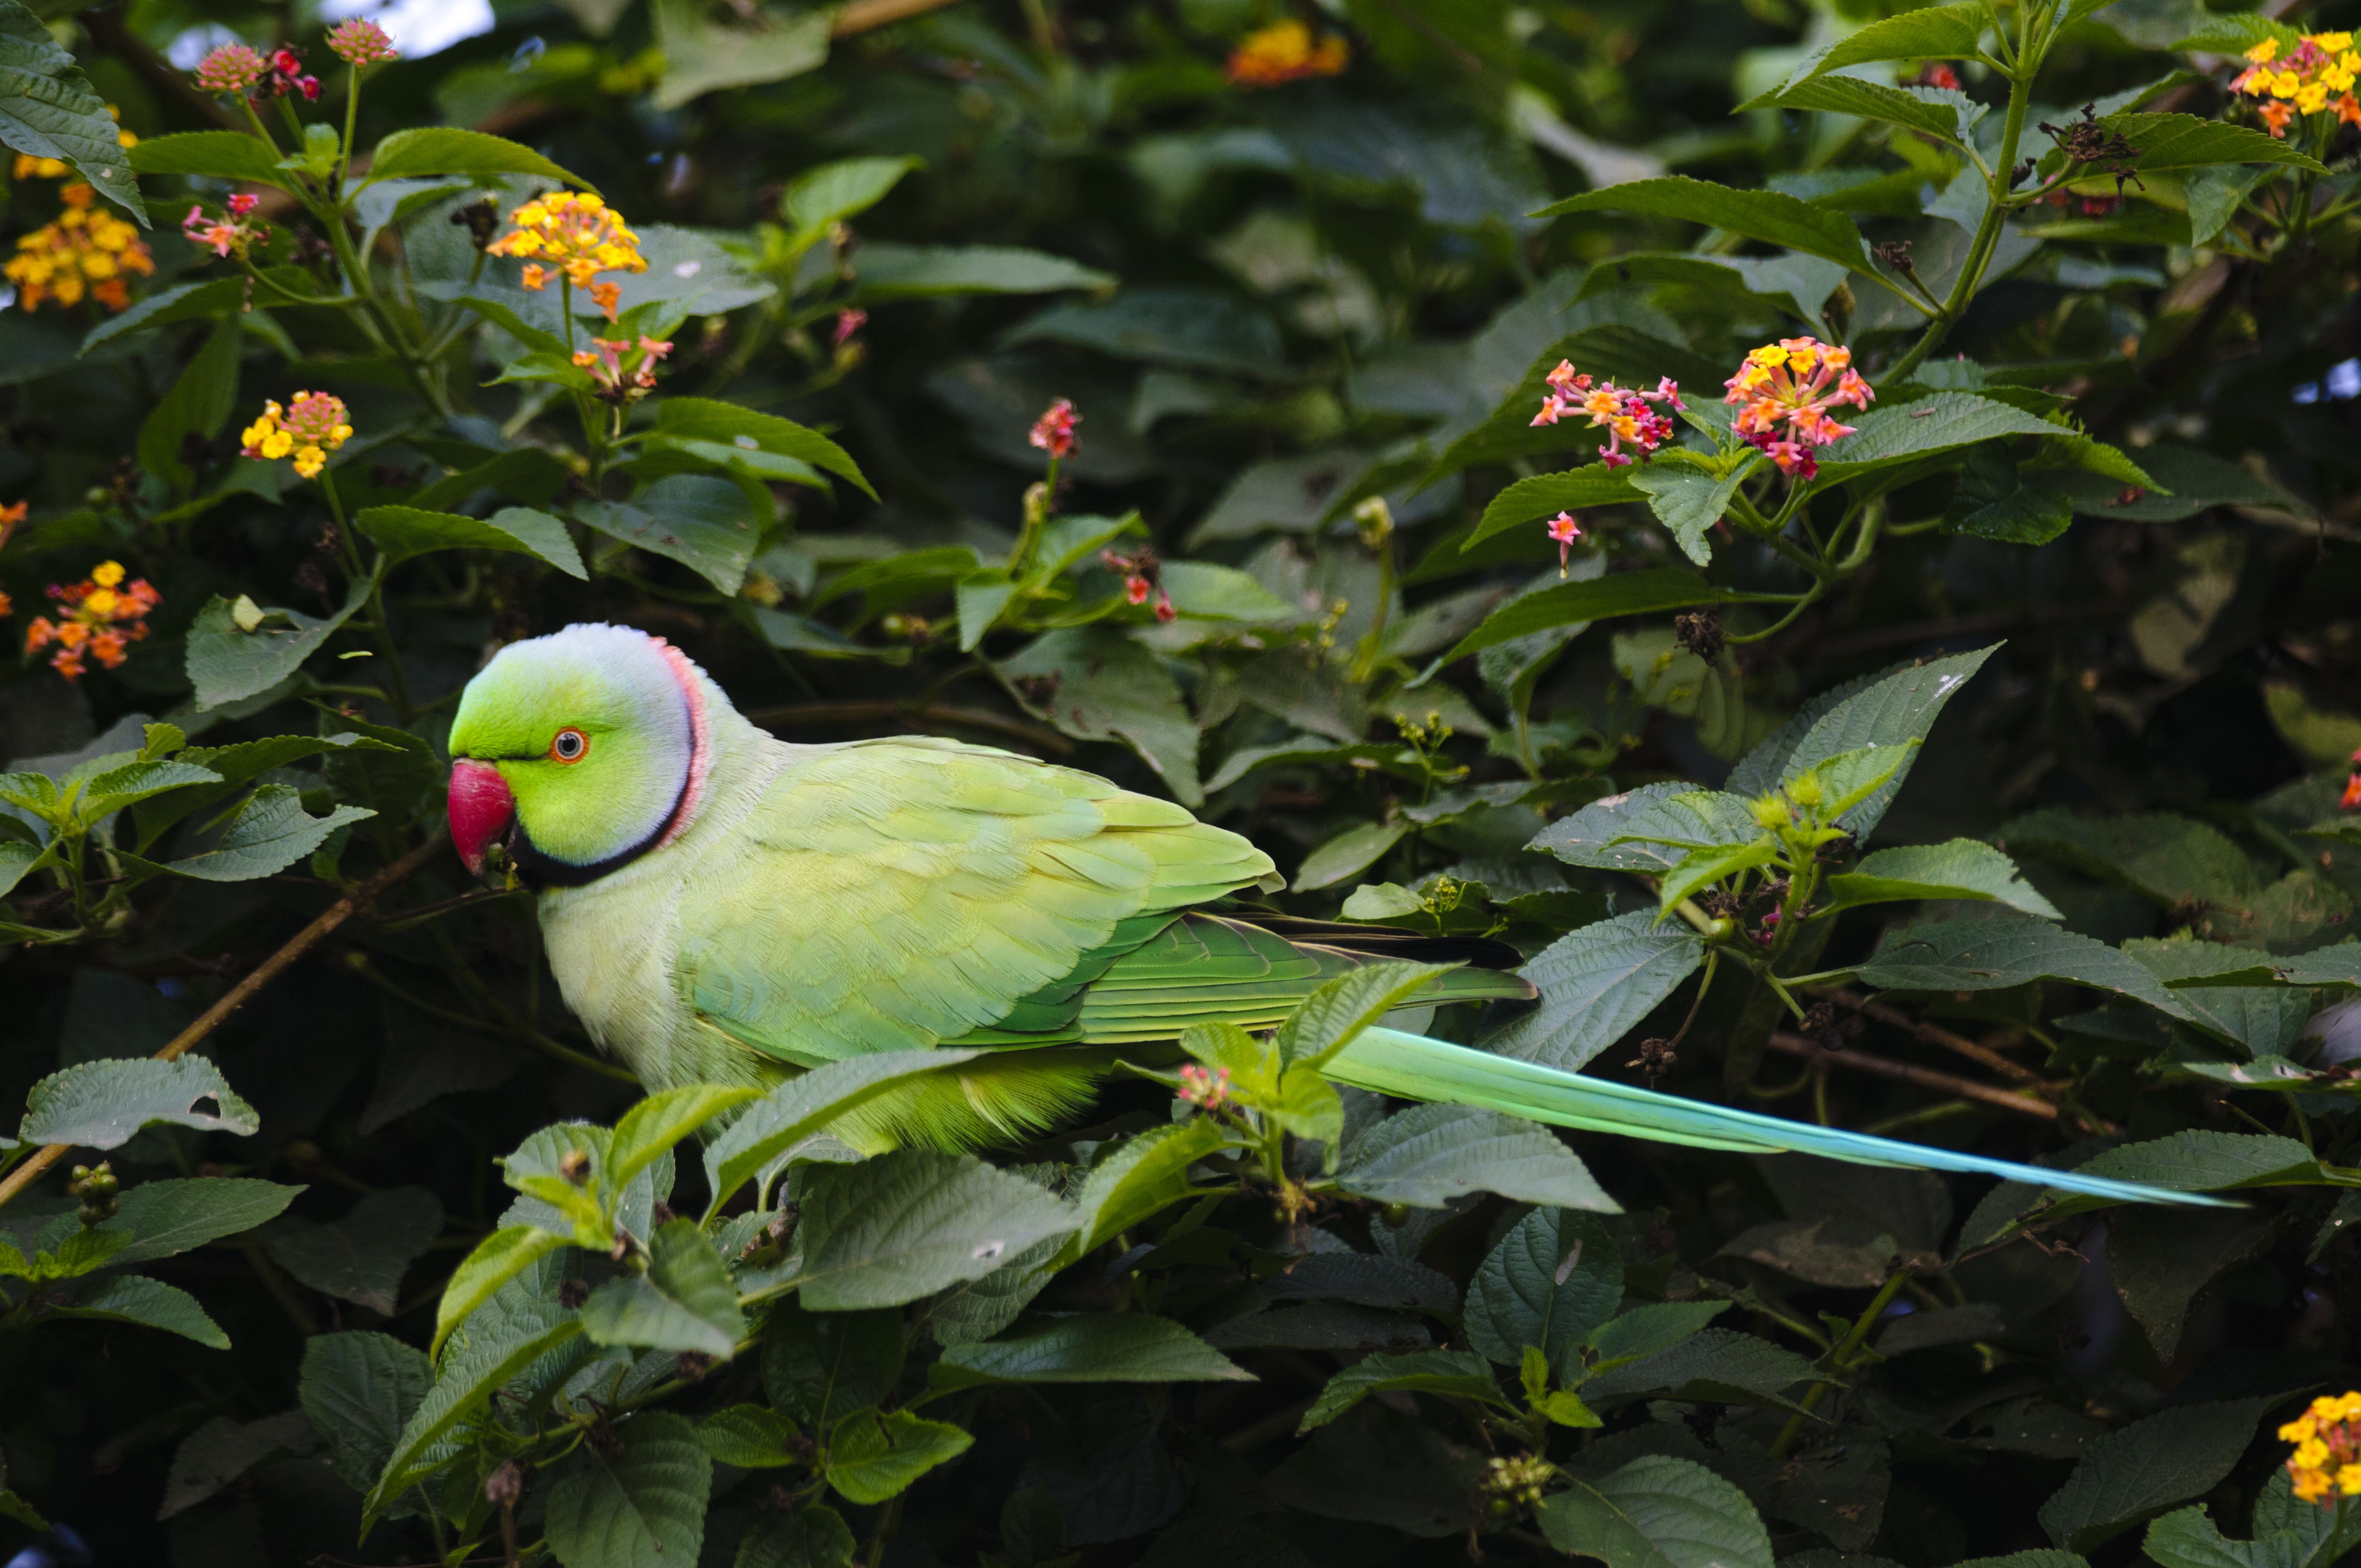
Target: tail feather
(1415, 1068)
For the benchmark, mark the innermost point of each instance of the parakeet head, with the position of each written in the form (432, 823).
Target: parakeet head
(581, 750)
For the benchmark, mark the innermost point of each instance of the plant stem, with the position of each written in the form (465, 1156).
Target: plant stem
(1839, 1358)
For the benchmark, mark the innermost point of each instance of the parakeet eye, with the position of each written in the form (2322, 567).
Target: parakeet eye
(570, 746)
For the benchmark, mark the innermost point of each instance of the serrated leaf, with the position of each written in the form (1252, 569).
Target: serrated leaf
(1348, 854)
(269, 832)
(445, 150)
(1931, 32)
(1556, 1276)
(907, 1224)
(1887, 434)
(1093, 1347)
(360, 1389)
(821, 1367)
(643, 1506)
(751, 1437)
(168, 1217)
(1995, 954)
(404, 532)
(1646, 1331)
(225, 664)
(873, 1455)
(488, 1350)
(1595, 984)
(2186, 141)
(709, 419)
(1962, 868)
(2133, 1475)
(497, 1259)
(684, 1301)
(1602, 599)
(1930, 111)
(1687, 501)
(889, 271)
(1431, 1155)
(1544, 495)
(363, 1256)
(1717, 1364)
(150, 1303)
(1757, 215)
(1146, 1175)
(1657, 1512)
(48, 109)
(702, 521)
(806, 1104)
(1327, 1020)
(1892, 708)
(1452, 1374)
(814, 1536)
(100, 1104)
(648, 1131)
(1649, 830)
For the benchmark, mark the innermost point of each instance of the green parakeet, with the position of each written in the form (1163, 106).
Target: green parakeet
(721, 906)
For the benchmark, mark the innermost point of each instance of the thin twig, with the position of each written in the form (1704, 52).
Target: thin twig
(1903, 1072)
(1932, 1033)
(303, 942)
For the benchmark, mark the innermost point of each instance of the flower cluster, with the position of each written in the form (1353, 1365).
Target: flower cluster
(1784, 394)
(1622, 413)
(2352, 800)
(2327, 1459)
(619, 382)
(284, 74)
(1142, 575)
(1563, 531)
(1053, 433)
(2312, 78)
(86, 250)
(1206, 1091)
(99, 618)
(580, 235)
(231, 68)
(1936, 73)
(1283, 53)
(10, 516)
(360, 42)
(311, 426)
(229, 233)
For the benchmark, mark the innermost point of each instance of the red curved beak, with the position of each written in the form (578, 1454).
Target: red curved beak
(481, 809)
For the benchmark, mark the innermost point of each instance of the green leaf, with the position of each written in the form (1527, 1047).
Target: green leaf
(1712, 1364)
(1850, 777)
(2187, 1539)
(362, 1256)
(887, 271)
(1930, 111)
(445, 150)
(1962, 868)
(1452, 1374)
(404, 532)
(707, 419)
(873, 1455)
(484, 1352)
(111, 791)
(751, 1437)
(1889, 708)
(1649, 830)
(1687, 501)
(821, 1367)
(1556, 1276)
(835, 192)
(1144, 1176)
(2160, 1259)
(16, 858)
(1992, 501)
(1931, 32)
(1429, 1155)
(1995, 954)
(1702, 868)
(150, 1303)
(701, 521)
(1545, 495)
(814, 1536)
(1095, 684)
(269, 832)
(1221, 593)
(497, 1259)
(1329, 1019)
(100, 1104)
(218, 155)
(1657, 1512)
(48, 109)
(165, 1218)
(907, 1224)
(1757, 215)
(643, 1506)
(684, 1300)
(1197, 329)
(2185, 141)
(649, 1130)
(2201, 1161)
(1094, 1347)
(360, 1389)
(701, 55)
(1602, 599)
(1647, 1330)
(199, 403)
(806, 1104)
(2131, 1476)
(225, 664)
(1349, 853)
(1887, 434)
(1596, 985)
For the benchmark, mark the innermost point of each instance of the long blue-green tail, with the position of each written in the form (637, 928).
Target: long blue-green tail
(1415, 1068)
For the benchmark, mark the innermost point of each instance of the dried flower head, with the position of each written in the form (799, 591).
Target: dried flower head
(99, 618)
(625, 370)
(580, 235)
(312, 425)
(1285, 52)
(1623, 413)
(1783, 392)
(2326, 1464)
(360, 42)
(231, 68)
(86, 250)
(1053, 433)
